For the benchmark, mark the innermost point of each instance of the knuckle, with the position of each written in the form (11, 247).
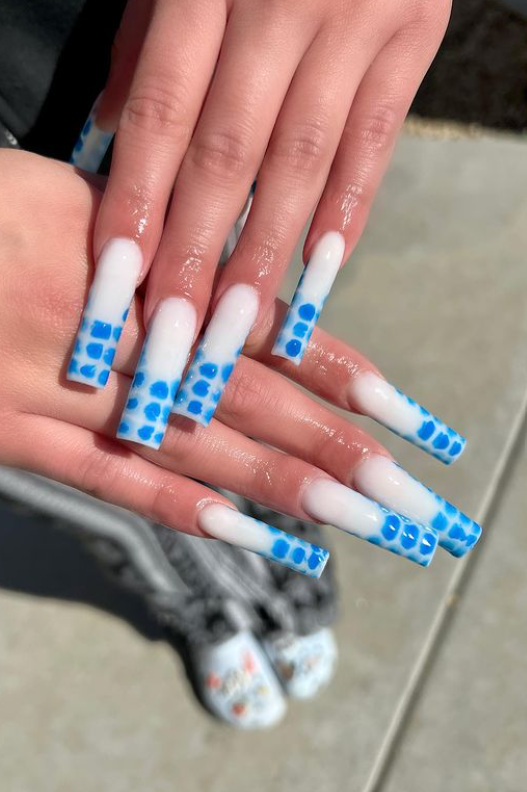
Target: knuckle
(374, 134)
(301, 149)
(431, 15)
(98, 473)
(244, 396)
(330, 445)
(162, 500)
(268, 476)
(223, 153)
(158, 111)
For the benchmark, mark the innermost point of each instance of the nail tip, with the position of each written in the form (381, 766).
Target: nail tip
(324, 558)
(88, 383)
(278, 352)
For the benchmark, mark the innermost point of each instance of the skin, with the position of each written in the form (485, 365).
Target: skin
(205, 95)
(268, 441)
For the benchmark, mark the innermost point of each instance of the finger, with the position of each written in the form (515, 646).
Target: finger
(330, 369)
(340, 374)
(225, 458)
(155, 127)
(262, 404)
(126, 50)
(104, 468)
(375, 119)
(221, 162)
(98, 131)
(290, 180)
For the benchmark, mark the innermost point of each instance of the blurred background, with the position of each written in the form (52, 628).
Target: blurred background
(430, 692)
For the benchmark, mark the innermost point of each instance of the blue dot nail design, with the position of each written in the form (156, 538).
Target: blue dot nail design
(217, 354)
(156, 380)
(92, 145)
(385, 481)
(333, 503)
(232, 526)
(377, 398)
(111, 292)
(309, 298)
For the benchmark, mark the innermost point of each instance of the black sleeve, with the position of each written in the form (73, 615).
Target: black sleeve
(54, 58)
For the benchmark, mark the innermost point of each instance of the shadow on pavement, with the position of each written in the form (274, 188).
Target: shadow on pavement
(41, 559)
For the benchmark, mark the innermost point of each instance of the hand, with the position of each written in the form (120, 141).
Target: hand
(271, 442)
(206, 94)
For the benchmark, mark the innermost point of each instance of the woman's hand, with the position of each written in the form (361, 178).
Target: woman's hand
(205, 95)
(271, 442)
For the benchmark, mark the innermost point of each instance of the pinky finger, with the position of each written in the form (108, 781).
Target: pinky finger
(104, 468)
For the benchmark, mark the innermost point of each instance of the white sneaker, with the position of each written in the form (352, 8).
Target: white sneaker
(304, 663)
(238, 683)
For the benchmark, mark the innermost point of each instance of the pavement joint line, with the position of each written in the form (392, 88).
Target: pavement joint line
(417, 679)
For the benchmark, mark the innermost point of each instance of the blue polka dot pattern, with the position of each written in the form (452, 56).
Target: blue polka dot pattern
(404, 537)
(93, 353)
(203, 386)
(457, 533)
(92, 145)
(217, 353)
(158, 374)
(298, 326)
(309, 297)
(295, 553)
(145, 416)
(432, 434)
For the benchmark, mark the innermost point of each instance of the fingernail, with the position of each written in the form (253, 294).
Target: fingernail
(337, 505)
(158, 373)
(109, 300)
(309, 298)
(217, 354)
(390, 407)
(229, 525)
(385, 481)
(92, 145)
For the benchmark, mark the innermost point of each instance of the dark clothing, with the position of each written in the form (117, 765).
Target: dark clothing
(54, 59)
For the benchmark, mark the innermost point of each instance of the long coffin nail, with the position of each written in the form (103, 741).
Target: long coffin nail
(109, 300)
(217, 354)
(337, 505)
(309, 298)
(92, 145)
(158, 373)
(222, 522)
(385, 481)
(375, 397)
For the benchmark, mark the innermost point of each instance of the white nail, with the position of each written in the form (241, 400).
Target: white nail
(385, 481)
(217, 353)
(92, 145)
(333, 503)
(109, 300)
(229, 525)
(375, 397)
(309, 297)
(158, 374)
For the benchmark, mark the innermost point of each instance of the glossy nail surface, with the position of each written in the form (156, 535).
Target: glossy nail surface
(385, 481)
(232, 526)
(375, 397)
(158, 373)
(109, 300)
(309, 298)
(337, 505)
(217, 354)
(92, 145)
